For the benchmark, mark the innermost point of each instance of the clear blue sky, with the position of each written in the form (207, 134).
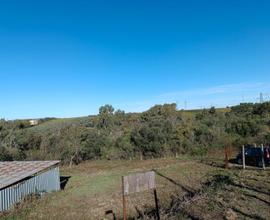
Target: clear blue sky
(67, 58)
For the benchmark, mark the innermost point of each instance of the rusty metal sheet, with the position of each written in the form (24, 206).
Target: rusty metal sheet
(139, 182)
(15, 171)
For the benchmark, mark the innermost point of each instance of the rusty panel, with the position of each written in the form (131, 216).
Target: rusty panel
(139, 182)
(12, 172)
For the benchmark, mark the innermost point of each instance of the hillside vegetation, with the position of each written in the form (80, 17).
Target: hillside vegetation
(162, 131)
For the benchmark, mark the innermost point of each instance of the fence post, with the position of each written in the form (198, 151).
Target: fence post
(156, 202)
(263, 162)
(124, 200)
(243, 157)
(226, 158)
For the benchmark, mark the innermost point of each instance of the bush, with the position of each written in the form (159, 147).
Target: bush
(158, 132)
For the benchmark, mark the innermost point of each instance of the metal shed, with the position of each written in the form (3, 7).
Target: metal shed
(21, 178)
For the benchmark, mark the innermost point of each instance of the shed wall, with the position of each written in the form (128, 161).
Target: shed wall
(48, 181)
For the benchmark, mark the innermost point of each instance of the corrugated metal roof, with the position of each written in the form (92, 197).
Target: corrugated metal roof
(12, 172)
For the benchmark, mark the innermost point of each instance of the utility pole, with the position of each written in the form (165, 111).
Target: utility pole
(177, 104)
(261, 97)
(243, 98)
(266, 97)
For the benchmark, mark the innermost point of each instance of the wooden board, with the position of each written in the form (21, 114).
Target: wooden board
(139, 182)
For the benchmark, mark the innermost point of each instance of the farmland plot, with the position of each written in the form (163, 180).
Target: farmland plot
(187, 189)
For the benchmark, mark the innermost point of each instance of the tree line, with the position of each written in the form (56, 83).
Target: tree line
(161, 131)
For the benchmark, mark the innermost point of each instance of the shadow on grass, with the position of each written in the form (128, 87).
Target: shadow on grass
(232, 165)
(179, 204)
(213, 163)
(63, 181)
(251, 188)
(252, 216)
(175, 206)
(110, 213)
(256, 197)
(187, 189)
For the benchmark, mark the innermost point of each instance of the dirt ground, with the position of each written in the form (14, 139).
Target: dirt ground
(187, 189)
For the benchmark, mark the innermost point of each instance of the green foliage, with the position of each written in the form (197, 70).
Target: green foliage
(105, 116)
(4, 154)
(160, 131)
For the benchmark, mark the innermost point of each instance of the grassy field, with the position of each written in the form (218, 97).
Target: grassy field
(57, 123)
(187, 189)
(54, 125)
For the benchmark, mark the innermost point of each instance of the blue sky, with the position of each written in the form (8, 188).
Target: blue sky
(67, 58)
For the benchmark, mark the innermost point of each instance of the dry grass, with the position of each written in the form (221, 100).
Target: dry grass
(187, 189)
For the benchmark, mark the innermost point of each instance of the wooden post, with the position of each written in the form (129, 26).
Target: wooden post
(124, 200)
(230, 152)
(156, 201)
(263, 162)
(243, 157)
(226, 158)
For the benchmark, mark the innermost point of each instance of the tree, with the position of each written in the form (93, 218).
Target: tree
(105, 116)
